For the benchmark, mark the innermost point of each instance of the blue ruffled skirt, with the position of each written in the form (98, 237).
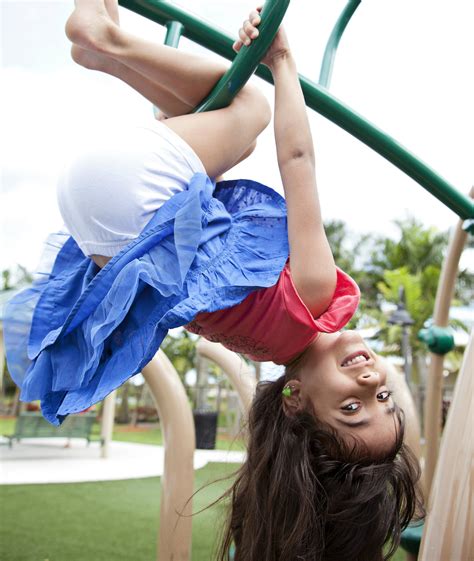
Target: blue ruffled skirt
(80, 332)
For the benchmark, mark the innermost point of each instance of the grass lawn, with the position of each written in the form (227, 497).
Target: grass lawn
(152, 435)
(142, 434)
(104, 521)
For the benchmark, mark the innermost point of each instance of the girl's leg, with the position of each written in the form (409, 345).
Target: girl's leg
(220, 137)
(169, 104)
(187, 76)
(167, 101)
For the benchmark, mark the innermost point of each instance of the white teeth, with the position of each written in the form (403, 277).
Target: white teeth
(355, 360)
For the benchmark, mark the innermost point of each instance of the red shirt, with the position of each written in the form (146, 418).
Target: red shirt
(273, 323)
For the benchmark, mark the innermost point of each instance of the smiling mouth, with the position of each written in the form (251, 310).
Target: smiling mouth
(356, 358)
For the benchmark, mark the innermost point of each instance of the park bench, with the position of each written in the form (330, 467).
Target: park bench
(33, 425)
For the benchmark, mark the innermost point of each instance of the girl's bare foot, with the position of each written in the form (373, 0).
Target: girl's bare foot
(112, 9)
(90, 25)
(92, 60)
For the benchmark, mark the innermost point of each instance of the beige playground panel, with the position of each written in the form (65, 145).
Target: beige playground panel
(449, 527)
(177, 482)
(434, 388)
(449, 478)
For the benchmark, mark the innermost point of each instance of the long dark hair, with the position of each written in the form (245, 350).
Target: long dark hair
(305, 494)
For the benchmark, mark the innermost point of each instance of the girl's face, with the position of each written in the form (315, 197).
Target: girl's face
(345, 382)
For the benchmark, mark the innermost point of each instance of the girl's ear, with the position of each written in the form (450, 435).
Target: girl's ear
(291, 397)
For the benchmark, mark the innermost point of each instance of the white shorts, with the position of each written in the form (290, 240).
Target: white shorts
(111, 191)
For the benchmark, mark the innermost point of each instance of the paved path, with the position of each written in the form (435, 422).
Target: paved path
(48, 460)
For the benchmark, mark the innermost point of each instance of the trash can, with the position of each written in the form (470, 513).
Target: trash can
(205, 423)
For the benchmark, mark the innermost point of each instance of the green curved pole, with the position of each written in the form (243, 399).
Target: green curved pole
(333, 42)
(325, 104)
(204, 34)
(318, 99)
(248, 58)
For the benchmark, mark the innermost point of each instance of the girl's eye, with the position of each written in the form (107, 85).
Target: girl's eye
(352, 407)
(383, 396)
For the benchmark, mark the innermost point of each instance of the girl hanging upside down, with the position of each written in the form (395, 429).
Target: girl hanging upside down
(153, 243)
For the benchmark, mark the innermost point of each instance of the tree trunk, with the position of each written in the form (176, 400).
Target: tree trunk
(201, 386)
(123, 415)
(219, 397)
(140, 394)
(15, 408)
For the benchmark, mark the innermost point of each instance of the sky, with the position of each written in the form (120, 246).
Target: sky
(404, 64)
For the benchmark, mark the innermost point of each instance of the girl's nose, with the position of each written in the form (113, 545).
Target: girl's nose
(369, 379)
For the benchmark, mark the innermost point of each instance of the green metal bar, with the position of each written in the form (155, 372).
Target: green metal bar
(333, 42)
(327, 105)
(318, 99)
(162, 11)
(203, 33)
(174, 30)
(247, 59)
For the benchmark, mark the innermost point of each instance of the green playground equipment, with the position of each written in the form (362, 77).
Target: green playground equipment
(317, 97)
(411, 539)
(333, 42)
(180, 23)
(439, 340)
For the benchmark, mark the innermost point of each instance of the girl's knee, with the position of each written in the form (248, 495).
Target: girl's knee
(249, 150)
(254, 108)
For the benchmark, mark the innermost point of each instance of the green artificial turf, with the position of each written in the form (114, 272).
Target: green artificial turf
(125, 433)
(104, 521)
(7, 425)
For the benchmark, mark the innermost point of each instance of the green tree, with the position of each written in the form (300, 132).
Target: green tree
(381, 265)
(420, 291)
(180, 348)
(15, 278)
(412, 261)
(420, 251)
(416, 248)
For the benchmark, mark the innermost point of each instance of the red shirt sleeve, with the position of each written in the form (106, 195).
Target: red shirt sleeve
(274, 324)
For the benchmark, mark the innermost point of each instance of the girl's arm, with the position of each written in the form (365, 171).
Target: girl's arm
(312, 264)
